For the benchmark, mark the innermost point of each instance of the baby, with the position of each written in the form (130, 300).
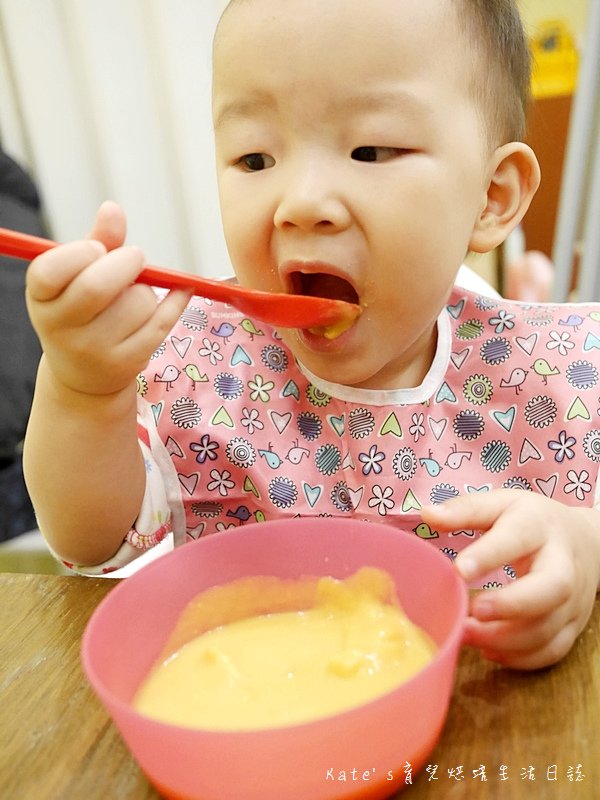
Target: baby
(362, 150)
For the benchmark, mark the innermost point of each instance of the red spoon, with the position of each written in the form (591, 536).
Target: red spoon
(283, 310)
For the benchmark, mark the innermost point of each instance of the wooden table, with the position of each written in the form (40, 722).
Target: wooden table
(57, 742)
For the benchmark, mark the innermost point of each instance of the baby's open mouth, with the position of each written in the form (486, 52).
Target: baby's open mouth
(323, 284)
(332, 287)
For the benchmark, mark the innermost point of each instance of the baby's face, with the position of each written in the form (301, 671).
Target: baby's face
(351, 163)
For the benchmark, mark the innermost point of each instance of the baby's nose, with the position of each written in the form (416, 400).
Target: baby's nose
(310, 198)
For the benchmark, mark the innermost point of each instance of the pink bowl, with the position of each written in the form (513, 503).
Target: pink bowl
(370, 744)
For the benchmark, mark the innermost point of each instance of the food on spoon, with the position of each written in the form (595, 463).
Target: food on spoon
(334, 330)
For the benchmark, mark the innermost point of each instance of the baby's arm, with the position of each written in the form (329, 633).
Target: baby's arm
(83, 464)
(555, 550)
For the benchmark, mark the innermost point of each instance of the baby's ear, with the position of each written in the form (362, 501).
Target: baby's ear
(515, 177)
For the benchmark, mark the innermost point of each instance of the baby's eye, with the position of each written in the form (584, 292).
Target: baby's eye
(376, 153)
(255, 162)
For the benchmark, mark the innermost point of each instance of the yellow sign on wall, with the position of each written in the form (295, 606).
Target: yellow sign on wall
(555, 60)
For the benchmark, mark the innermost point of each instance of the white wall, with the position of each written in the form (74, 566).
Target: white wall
(111, 99)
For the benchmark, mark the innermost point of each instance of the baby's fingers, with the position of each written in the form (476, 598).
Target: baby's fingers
(110, 225)
(470, 510)
(511, 530)
(505, 543)
(548, 586)
(534, 647)
(98, 286)
(156, 327)
(49, 274)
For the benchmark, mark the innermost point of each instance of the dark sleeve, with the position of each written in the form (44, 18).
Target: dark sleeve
(19, 346)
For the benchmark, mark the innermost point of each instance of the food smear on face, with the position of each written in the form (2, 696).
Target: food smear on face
(352, 644)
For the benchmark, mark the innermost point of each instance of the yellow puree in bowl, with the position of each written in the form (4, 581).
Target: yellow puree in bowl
(279, 669)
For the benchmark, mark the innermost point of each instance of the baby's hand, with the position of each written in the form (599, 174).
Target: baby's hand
(97, 327)
(555, 550)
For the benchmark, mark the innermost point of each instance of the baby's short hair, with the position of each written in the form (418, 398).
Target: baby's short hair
(501, 64)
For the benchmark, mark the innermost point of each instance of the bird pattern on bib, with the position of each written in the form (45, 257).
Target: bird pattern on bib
(252, 439)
